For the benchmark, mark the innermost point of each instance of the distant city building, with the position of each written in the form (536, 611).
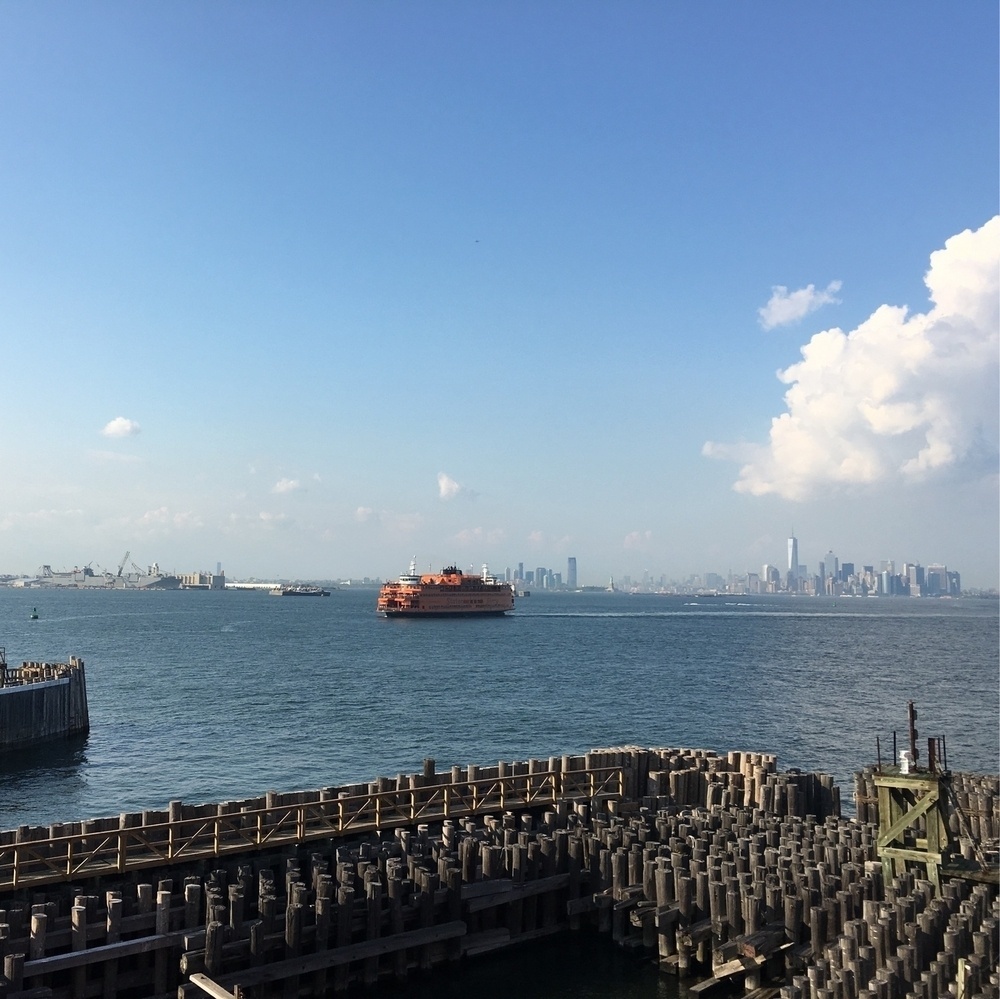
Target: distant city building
(833, 579)
(937, 580)
(203, 581)
(793, 562)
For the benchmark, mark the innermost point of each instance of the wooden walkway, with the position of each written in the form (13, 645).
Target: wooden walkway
(39, 856)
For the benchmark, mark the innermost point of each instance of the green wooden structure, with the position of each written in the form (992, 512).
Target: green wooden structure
(913, 822)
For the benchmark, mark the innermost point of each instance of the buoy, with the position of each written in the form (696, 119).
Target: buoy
(34, 614)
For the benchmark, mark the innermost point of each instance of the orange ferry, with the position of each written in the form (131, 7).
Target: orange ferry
(448, 592)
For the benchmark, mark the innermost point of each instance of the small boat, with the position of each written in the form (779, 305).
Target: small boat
(299, 590)
(33, 616)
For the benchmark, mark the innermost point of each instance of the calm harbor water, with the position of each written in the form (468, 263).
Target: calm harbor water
(204, 696)
(214, 696)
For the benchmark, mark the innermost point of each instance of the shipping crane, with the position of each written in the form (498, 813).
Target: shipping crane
(121, 565)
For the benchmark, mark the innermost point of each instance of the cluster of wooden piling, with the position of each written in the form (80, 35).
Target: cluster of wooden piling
(910, 944)
(793, 896)
(737, 779)
(31, 671)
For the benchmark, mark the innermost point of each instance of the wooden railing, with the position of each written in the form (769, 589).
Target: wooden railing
(91, 853)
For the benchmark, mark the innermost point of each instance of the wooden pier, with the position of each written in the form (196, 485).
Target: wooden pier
(671, 852)
(41, 701)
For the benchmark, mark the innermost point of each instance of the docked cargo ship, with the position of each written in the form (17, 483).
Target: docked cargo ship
(448, 592)
(87, 579)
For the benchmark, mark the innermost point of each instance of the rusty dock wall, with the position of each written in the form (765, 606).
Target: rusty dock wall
(42, 701)
(670, 852)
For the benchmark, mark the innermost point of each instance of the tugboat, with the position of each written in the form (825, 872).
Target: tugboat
(447, 593)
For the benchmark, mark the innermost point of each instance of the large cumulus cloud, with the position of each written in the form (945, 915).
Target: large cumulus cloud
(902, 398)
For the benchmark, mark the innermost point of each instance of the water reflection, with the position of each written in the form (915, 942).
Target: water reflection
(61, 762)
(579, 965)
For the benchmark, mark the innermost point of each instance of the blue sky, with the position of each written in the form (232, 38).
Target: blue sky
(310, 288)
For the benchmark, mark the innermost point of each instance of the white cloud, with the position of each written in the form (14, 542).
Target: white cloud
(159, 516)
(162, 517)
(35, 518)
(448, 488)
(363, 514)
(269, 519)
(637, 540)
(899, 399)
(480, 535)
(784, 306)
(286, 486)
(121, 427)
(401, 523)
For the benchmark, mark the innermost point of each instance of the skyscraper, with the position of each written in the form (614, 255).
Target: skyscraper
(793, 562)
(571, 573)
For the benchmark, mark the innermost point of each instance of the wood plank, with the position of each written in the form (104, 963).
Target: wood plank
(764, 942)
(308, 963)
(695, 933)
(515, 892)
(106, 952)
(738, 966)
(207, 985)
(703, 986)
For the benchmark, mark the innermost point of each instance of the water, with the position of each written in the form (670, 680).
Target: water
(207, 696)
(204, 696)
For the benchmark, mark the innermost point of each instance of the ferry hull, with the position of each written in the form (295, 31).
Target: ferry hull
(444, 612)
(449, 593)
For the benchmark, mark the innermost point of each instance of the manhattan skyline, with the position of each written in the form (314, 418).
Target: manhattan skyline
(311, 290)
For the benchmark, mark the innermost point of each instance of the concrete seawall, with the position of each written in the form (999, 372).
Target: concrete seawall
(42, 701)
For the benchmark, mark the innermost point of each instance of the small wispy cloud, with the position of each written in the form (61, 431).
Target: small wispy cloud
(637, 540)
(271, 519)
(286, 486)
(162, 517)
(10, 521)
(402, 523)
(785, 307)
(448, 488)
(363, 514)
(120, 426)
(480, 535)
